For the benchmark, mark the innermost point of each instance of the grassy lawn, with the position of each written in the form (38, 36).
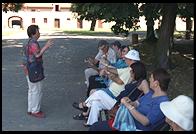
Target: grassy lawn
(89, 33)
(7, 32)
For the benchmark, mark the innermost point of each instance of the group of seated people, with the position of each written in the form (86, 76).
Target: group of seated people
(117, 79)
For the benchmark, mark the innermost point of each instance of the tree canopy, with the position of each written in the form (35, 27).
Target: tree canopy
(125, 15)
(11, 7)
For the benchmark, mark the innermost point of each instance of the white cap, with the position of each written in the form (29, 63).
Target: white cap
(180, 111)
(133, 55)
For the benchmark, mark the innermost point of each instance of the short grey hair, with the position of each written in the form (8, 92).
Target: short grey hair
(103, 43)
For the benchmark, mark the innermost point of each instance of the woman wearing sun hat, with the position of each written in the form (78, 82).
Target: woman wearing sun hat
(179, 113)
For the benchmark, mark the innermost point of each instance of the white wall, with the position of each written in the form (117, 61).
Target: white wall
(72, 23)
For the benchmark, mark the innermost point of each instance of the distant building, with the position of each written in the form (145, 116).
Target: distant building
(48, 16)
(57, 16)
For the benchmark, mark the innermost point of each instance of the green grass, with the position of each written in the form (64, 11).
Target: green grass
(89, 33)
(181, 34)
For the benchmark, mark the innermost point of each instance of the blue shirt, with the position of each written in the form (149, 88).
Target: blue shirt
(119, 64)
(150, 107)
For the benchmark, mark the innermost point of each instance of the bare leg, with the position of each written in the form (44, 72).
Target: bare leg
(87, 112)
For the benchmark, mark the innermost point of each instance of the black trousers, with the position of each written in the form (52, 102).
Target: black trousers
(93, 84)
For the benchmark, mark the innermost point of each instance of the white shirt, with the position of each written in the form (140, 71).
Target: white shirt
(111, 57)
(125, 76)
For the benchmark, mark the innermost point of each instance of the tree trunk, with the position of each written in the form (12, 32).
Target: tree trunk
(188, 28)
(150, 36)
(93, 23)
(163, 46)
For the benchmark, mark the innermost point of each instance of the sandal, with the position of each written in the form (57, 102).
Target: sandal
(76, 105)
(80, 117)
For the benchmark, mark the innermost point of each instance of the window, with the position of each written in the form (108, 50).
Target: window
(33, 20)
(32, 10)
(68, 18)
(100, 24)
(56, 7)
(45, 20)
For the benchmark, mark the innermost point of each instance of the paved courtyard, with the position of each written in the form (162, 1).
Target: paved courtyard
(64, 83)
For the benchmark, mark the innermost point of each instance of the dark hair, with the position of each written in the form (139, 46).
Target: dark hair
(139, 71)
(102, 43)
(117, 43)
(124, 46)
(163, 77)
(31, 30)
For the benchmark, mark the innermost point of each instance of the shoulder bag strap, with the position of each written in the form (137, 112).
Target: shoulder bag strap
(27, 50)
(137, 85)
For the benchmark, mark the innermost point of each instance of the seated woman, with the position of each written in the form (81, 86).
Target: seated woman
(134, 89)
(99, 100)
(100, 81)
(145, 111)
(179, 113)
(131, 57)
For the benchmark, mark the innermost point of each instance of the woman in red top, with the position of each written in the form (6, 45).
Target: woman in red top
(35, 53)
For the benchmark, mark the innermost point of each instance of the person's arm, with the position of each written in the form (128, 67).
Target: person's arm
(112, 70)
(125, 100)
(115, 78)
(46, 46)
(94, 67)
(92, 64)
(92, 60)
(137, 115)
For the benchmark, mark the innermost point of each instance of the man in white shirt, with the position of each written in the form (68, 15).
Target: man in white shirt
(105, 54)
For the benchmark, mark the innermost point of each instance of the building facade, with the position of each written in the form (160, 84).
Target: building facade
(57, 16)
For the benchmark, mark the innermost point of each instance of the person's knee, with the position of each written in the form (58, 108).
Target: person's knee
(92, 91)
(87, 70)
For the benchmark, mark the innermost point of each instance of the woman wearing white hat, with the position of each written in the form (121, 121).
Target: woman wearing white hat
(179, 113)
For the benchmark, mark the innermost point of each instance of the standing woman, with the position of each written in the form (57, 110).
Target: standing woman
(34, 52)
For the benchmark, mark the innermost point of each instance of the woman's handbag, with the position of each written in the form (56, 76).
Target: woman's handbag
(123, 120)
(35, 71)
(131, 91)
(112, 112)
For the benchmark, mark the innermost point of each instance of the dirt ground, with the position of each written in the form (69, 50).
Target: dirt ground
(182, 74)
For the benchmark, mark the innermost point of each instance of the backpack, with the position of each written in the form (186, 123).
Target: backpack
(34, 67)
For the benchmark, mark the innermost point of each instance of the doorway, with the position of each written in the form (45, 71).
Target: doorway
(57, 23)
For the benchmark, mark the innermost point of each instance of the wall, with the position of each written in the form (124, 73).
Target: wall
(63, 15)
